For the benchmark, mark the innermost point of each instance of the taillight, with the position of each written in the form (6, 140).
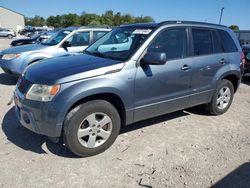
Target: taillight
(242, 59)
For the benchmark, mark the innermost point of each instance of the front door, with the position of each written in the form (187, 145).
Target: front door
(78, 42)
(160, 89)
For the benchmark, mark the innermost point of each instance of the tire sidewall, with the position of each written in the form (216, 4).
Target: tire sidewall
(73, 122)
(223, 83)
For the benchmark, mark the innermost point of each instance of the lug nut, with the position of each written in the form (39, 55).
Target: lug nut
(98, 131)
(93, 134)
(90, 130)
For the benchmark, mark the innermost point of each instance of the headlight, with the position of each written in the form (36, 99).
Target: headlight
(10, 56)
(42, 93)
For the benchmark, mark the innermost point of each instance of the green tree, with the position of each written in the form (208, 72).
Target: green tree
(234, 27)
(69, 20)
(54, 21)
(36, 21)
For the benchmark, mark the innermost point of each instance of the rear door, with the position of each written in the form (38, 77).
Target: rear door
(208, 58)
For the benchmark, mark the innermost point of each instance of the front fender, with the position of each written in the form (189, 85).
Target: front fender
(73, 92)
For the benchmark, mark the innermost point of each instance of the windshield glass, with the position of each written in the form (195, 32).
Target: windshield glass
(57, 38)
(36, 35)
(119, 44)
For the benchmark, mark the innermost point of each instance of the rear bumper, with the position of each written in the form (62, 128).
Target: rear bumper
(246, 69)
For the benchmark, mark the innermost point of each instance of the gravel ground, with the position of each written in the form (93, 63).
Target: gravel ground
(184, 149)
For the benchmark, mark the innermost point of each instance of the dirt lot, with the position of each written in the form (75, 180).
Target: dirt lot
(183, 149)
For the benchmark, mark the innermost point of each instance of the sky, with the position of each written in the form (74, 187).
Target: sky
(236, 12)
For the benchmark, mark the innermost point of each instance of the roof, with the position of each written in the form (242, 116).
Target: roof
(12, 11)
(154, 25)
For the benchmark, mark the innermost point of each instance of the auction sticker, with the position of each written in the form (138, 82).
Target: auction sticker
(142, 31)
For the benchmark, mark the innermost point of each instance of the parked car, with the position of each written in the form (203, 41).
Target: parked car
(7, 33)
(246, 50)
(67, 41)
(243, 36)
(133, 73)
(35, 39)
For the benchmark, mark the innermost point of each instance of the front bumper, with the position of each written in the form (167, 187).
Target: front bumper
(11, 67)
(36, 116)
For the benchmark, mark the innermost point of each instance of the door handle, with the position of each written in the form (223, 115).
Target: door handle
(185, 67)
(222, 61)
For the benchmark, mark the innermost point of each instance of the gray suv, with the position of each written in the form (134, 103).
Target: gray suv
(133, 73)
(7, 33)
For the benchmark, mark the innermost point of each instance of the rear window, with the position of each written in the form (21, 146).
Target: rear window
(227, 42)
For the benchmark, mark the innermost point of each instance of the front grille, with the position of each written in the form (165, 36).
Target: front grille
(23, 85)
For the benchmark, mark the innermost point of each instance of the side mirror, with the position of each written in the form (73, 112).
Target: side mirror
(65, 45)
(248, 57)
(154, 58)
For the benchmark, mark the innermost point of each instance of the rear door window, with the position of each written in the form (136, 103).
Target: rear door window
(217, 46)
(227, 42)
(202, 42)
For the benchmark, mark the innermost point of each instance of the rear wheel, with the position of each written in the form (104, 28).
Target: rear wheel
(91, 128)
(222, 98)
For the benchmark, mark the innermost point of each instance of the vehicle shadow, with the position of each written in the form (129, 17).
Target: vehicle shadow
(246, 80)
(6, 79)
(152, 121)
(239, 178)
(30, 141)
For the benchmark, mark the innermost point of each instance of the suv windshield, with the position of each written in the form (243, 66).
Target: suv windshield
(119, 44)
(57, 38)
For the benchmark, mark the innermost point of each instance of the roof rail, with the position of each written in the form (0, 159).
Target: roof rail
(93, 27)
(189, 22)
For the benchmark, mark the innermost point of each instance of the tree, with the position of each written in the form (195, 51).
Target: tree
(109, 18)
(234, 27)
(69, 20)
(36, 21)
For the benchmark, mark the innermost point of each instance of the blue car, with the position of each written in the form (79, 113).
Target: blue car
(133, 73)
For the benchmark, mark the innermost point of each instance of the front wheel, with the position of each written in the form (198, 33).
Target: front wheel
(91, 128)
(10, 36)
(222, 98)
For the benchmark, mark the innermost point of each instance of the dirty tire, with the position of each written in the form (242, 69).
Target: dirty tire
(213, 107)
(77, 117)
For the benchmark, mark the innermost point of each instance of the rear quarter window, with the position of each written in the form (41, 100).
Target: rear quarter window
(227, 42)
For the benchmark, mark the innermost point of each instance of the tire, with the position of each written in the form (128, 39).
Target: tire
(9, 36)
(80, 121)
(222, 98)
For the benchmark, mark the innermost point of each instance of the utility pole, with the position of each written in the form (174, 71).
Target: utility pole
(221, 13)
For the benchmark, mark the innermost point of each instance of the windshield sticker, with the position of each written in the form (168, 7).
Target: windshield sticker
(142, 31)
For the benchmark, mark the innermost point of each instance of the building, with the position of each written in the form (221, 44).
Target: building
(243, 36)
(11, 19)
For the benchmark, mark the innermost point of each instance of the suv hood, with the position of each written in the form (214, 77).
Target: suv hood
(25, 48)
(70, 68)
